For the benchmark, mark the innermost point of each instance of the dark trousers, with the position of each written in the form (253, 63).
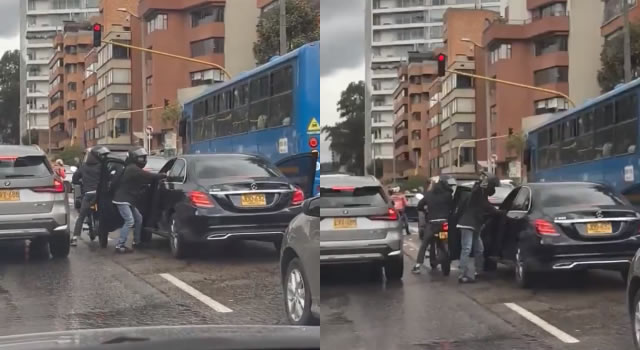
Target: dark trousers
(88, 200)
(429, 229)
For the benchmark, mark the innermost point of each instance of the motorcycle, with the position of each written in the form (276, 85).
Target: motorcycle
(439, 247)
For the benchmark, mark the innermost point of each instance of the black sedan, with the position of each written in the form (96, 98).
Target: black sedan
(563, 226)
(217, 197)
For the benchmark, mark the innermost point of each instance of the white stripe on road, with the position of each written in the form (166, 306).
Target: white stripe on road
(564, 337)
(195, 293)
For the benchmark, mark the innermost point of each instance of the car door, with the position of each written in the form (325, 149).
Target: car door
(311, 258)
(109, 216)
(156, 204)
(516, 221)
(301, 170)
(172, 190)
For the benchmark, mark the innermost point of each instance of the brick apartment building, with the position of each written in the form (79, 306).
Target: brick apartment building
(530, 47)
(221, 32)
(612, 21)
(66, 76)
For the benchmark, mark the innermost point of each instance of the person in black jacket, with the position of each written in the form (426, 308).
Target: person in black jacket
(127, 189)
(473, 216)
(437, 204)
(88, 175)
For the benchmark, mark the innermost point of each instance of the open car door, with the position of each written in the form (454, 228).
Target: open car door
(460, 198)
(301, 170)
(109, 218)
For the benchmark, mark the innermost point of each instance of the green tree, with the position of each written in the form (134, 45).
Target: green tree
(347, 136)
(516, 144)
(172, 114)
(71, 154)
(612, 59)
(303, 26)
(10, 97)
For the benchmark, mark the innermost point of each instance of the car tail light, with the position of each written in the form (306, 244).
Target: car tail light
(200, 200)
(445, 226)
(391, 215)
(313, 142)
(58, 187)
(147, 169)
(545, 228)
(298, 197)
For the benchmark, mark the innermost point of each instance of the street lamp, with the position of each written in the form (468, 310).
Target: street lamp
(486, 102)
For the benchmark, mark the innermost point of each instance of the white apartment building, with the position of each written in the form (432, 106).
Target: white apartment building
(393, 28)
(40, 19)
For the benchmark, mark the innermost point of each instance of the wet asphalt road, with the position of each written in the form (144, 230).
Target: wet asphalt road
(429, 311)
(95, 288)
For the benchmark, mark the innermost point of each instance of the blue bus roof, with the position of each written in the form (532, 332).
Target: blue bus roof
(590, 103)
(274, 61)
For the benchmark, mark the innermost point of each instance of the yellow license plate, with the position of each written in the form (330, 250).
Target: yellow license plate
(253, 200)
(9, 196)
(599, 228)
(345, 223)
(443, 235)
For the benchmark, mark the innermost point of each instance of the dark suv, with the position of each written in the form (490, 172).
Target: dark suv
(33, 201)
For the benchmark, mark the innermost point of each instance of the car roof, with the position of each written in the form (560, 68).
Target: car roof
(21, 151)
(557, 184)
(218, 155)
(348, 180)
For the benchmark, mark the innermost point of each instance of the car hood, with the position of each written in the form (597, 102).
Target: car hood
(172, 337)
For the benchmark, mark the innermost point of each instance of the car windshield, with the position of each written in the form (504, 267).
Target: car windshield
(30, 166)
(587, 195)
(346, 196)
(217, 167)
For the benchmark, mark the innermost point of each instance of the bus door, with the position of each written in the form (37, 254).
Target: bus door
(301, 169)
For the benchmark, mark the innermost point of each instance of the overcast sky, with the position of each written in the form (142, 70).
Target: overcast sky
(341, 55)
(9, 25)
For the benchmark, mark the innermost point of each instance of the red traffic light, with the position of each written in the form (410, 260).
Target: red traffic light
(440, 57)
(97, 27)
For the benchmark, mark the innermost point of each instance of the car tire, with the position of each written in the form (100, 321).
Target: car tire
(624, 273)
(59, 245)
(524, 276)
(278, 245)
(394, 268)
(635, 320)
(179, 248)
(297, 295)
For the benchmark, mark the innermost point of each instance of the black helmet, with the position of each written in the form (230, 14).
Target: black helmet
(137, 156)
(100, 152)
(448, 182)
(489, 181)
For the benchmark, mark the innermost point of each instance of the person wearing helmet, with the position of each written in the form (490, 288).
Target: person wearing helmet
(473, 215)
(131, 181)
(437, 204)
(88, 176)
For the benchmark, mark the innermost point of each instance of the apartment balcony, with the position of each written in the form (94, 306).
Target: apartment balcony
(38, 61)
(37, 93)
(403, 132)
(382, 124)
(400, 150)
(386, 59)
(375, 75)
(383, 140)
(43, 109)
(388, 26)
(382, 92)
(394, 42)
(382, 108)
(398, 9)
(45, 27)
(51, 11)
(39, 45)
(399, 102)
(521, 30)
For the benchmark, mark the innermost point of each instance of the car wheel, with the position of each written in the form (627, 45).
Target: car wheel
(635, 321)
(394, 268)
(524, 276)
(297, 295)
(624, 273)
(59, 245)
(278, 245)
(176, 241)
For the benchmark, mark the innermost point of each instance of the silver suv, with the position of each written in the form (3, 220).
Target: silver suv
(359, 224)
(33, 201)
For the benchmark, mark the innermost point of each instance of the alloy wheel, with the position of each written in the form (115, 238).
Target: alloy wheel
(519, 266)
(636, 322)
(295, 295)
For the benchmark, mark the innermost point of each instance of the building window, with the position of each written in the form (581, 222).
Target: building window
(551, 75)
(550, 44)
(207, 15)
(71, 105)
(436, 32)
(551, 105)
(122, 127)
(206, 77)
(120, 52)
(613, 8)
(207, 46)
(464, 130)
(118, 101)
(501, 52)
(148, 84)
(72, 86)
(159, 22)
(552, 10)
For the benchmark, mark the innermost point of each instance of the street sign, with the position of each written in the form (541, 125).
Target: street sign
(149, 130)
(314, 126)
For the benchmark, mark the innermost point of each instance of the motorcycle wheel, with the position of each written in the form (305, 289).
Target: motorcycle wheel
(443, 256)
(433, 255)
(93, 227)
(103, 238)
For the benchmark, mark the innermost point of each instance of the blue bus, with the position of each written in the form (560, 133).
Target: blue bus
(595, 142)
(272, 110)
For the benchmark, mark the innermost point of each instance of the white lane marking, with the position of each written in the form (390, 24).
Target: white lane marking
(195, 293)
(562, 336)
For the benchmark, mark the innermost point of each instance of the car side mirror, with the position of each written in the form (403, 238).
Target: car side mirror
(311, 207)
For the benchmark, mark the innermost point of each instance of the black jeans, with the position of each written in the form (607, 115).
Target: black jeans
(88, 200)
(428, 238)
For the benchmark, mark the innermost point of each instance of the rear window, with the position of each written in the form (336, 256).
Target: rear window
(343, 197)
(593, 195)
(31, 166)
(211, 168)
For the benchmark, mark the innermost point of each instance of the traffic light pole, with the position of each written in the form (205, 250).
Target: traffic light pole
(211, 64)
(553, 92)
